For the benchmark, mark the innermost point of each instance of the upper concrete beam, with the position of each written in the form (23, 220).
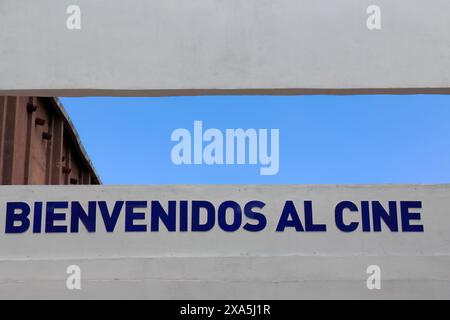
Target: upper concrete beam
(177, 47)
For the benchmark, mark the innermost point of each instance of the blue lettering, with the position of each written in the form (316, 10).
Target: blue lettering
(389, 218)
(253, 215)
(130, 216)
(339, 216)
(289, 218)
(169, 219)
(408, 216)
(51, 216)
(12, 216)
(222, 216)
(78, 214)
(209, 224)
(309, 223)
(110, 220)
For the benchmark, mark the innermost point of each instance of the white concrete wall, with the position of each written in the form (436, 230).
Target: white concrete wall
(170, 47)
(221, 265)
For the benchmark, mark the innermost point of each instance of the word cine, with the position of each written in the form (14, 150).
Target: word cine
(202, 215)
(373, 21)
(235, 146)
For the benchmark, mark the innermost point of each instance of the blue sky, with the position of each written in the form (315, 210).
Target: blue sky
(323, 139)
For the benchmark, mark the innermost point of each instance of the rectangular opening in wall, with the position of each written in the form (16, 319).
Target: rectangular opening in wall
(312, 139)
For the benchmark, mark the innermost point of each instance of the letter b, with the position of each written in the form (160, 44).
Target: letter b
(12, 216)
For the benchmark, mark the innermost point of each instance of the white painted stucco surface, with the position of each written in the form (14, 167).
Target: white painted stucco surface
(147, 47)
(238, 265)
